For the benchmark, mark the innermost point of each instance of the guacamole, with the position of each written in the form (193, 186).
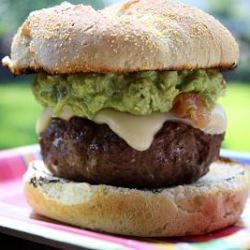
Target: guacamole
(139, 93)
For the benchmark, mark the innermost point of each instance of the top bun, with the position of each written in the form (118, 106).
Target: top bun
(131, 36)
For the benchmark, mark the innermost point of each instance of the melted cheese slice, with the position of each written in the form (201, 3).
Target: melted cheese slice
(217, 123)
(138, 131)
(43, 121)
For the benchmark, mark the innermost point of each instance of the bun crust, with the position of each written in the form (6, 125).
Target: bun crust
(213, 202)
(131, 36)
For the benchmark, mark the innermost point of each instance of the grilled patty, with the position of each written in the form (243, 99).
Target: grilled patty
(82, 150)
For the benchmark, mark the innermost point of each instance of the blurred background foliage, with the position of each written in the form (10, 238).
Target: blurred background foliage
(19, 110)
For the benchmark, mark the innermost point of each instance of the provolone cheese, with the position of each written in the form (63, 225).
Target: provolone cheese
(139, 131)
(43, 121)
(217, 123)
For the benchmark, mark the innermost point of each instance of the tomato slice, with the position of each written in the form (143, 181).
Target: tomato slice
(191, 106)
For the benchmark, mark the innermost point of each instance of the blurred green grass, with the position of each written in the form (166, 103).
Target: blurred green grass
(236, 104)
(19, 112)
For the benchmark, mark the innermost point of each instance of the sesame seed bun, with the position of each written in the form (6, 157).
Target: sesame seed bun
(131, 36)
(213, 202)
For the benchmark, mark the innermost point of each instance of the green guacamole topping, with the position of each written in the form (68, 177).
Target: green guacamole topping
(140, 93)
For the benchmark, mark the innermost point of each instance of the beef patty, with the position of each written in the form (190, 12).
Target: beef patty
(82, 150)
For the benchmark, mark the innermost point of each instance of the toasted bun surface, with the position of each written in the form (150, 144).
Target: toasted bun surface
(130, 36)
(214, 202)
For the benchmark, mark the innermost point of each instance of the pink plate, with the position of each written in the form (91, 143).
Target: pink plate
(16, 217)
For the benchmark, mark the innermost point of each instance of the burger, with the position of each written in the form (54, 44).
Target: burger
(131, 129)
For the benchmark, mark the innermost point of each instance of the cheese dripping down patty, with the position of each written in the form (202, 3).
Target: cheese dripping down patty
(137, 131)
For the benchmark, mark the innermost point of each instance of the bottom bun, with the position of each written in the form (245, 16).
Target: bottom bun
(213, 202)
